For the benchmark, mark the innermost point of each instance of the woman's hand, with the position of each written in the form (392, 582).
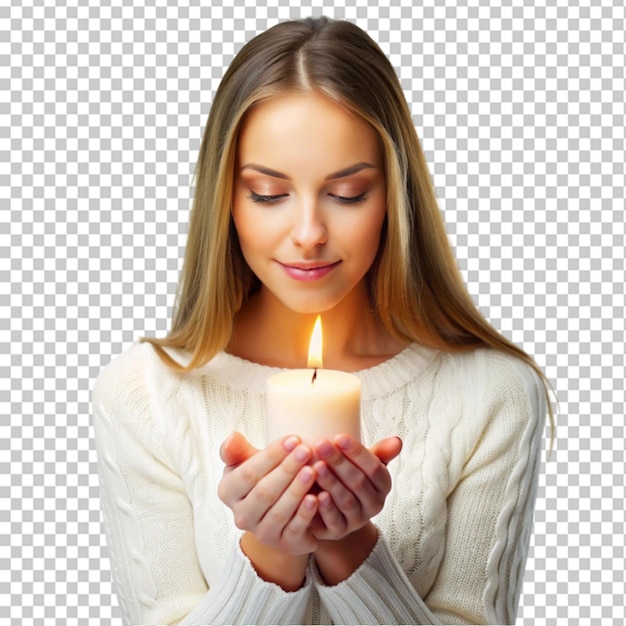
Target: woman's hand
(354, 483)
(268, 492)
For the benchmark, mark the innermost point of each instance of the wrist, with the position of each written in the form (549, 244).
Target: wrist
(337, 560)
(273, 565)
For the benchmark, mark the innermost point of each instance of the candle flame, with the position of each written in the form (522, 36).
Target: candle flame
(315, 346)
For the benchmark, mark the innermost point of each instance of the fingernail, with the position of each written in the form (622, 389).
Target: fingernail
(306, 475)
(343, 441)
(324, 448)
(322, 470)
(290, 443)
(325, 499)
(301, 453)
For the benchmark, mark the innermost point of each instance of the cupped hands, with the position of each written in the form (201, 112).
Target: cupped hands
(270, 490)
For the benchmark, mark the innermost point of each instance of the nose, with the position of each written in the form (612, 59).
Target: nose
(309, 229)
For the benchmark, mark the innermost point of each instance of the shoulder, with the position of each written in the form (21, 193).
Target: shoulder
(509, 380)
(481, 375)
(505, 402)
(484, 373)
(137, 376)
(486, 391)
(492, 375)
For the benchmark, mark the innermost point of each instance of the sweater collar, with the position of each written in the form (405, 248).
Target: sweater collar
(375, 381)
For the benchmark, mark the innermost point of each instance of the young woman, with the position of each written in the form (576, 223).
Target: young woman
(313, 197)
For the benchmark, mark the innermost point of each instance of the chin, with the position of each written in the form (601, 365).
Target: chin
(309, 310)
(313, 307)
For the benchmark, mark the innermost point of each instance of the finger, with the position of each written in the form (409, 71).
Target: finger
(354, 476)
(387, 449)
(298, 506)
(285, 508)
(264, 497)
(282, 478)
(333, 523)
(365, 460)
(239, 480)
(297, 532)
(348, 500)
(236, 449)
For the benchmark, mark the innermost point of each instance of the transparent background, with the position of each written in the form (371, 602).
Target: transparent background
(520, 107)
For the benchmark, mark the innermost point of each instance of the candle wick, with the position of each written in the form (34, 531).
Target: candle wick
(314, 375)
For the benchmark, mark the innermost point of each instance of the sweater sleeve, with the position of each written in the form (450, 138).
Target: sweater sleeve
(377, 593)
(489, 520)
(148, 520)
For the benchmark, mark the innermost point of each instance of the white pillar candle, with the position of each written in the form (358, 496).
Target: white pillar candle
(313, 402)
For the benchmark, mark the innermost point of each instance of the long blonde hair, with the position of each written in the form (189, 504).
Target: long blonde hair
(415, 285)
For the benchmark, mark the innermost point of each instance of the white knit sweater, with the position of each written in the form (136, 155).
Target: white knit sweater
(454, 531)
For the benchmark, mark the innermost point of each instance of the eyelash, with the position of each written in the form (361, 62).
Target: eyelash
(255, 197)
(261, 199)
(351, 200)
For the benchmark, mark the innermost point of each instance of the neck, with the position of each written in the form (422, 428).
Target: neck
(267, 332)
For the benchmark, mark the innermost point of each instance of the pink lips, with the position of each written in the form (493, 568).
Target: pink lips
(308, 272)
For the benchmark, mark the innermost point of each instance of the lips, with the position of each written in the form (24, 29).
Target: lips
(308, 271)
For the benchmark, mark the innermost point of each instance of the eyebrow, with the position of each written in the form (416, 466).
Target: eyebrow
(348, 171)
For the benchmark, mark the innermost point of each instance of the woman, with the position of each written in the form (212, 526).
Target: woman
(313, 197)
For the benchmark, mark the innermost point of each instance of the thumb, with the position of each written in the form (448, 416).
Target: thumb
(387, 449)
(236, 449)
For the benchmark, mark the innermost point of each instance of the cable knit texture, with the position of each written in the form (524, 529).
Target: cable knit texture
(453, 534)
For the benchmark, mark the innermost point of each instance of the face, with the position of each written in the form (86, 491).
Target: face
(309, 201)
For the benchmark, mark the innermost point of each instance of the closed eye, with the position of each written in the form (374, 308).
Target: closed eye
(349, 199)
(256, 197)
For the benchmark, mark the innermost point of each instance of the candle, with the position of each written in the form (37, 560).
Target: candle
(314, 402)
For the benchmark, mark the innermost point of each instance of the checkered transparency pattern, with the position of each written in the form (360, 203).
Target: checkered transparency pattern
(102, 106)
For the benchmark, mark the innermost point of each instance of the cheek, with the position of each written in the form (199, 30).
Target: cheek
(241, 226)
(369, 233)
(250, 230)
(243, 218)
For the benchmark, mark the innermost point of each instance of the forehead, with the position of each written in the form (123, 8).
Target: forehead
(296, 127)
